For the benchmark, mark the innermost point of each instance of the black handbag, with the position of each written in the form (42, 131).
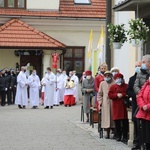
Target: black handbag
(127, 101)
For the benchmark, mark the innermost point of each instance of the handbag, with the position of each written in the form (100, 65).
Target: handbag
(127, 101)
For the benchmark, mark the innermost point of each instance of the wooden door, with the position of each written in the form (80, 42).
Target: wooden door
(32, 62)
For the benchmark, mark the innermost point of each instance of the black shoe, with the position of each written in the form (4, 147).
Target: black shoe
(47, 107)
(118, 139)
(19, 106)
(65, 105)
(51, 107)
(34, 107)
(124, 140)
(135, 148)
(24, 107)
(107, 137)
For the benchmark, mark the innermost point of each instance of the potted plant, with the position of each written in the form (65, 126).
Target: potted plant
(138, 32)
(117, 35)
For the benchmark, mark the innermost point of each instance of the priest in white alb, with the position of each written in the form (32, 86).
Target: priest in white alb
(34, 84)
(48, 82)
(21, 94)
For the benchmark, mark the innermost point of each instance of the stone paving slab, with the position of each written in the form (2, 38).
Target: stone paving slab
(53, 129)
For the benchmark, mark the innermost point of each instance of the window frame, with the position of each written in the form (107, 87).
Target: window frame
(82, 3)
(15, 5)
(73, 59)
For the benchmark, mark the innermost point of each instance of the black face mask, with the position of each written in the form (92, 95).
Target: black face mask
(24, 70)
(68, 80)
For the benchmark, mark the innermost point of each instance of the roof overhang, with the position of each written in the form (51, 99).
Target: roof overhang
(131, 5)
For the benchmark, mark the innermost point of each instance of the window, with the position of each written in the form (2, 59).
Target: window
(1, 3)
(82, 1)
(74, 60)
(13, 4)
(21, 3)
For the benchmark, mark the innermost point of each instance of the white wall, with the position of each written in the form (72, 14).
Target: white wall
(8, 59)
(43, 4)
(125, 57)
(76, 39)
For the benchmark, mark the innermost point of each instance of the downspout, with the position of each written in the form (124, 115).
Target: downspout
(62, 54)
(108, 20)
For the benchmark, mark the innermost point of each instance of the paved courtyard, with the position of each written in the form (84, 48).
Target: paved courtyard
(50, 129)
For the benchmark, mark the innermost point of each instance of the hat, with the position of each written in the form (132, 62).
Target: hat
(118, 75)
(107, 72)
(88, 72)
(114, 68)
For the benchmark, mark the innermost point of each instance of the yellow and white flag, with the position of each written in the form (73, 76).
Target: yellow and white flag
(100, 46)
(89, 54)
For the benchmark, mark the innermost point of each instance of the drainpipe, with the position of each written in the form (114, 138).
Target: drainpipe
(108, 20)
(61, 55)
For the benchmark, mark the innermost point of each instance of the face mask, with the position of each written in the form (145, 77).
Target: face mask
(107, 79)
(70, 75)
(34, 73)
(64, 73)
(143, 66)
(137, 69)
(88, 77)
(58, 74)
(118, 81)
(24, 70)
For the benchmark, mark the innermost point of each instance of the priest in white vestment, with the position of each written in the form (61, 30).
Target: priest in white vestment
(76, 82)
(21, 94)
(58, 86)
(48, 82)
(34, 84)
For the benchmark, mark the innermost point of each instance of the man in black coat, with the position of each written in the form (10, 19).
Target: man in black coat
(7, 77)
(130, 92)
(13, 86)
(2, 88)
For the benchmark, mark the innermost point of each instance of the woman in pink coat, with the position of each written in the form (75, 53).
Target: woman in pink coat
(143, 114)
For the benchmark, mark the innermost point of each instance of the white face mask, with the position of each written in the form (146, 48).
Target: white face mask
(34, 73)
(119, 81)
(88, 77)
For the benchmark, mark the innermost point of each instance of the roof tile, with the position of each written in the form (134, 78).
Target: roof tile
(97, 9)
(19, 34)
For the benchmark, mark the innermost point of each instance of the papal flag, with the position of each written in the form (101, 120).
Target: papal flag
(99, 51)
(89, 54)
(100, 46)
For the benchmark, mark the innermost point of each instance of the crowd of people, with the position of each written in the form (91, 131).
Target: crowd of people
(55, 89)
(108, 87)
(113, 96)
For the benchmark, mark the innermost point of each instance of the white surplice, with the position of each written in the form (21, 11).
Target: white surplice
(76, 82)
(62, 90)
(58, 86)
(21, 93)
(49, 80)
(34, 84)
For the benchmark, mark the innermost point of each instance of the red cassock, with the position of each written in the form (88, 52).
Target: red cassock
(69, 100)
(118, 106)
